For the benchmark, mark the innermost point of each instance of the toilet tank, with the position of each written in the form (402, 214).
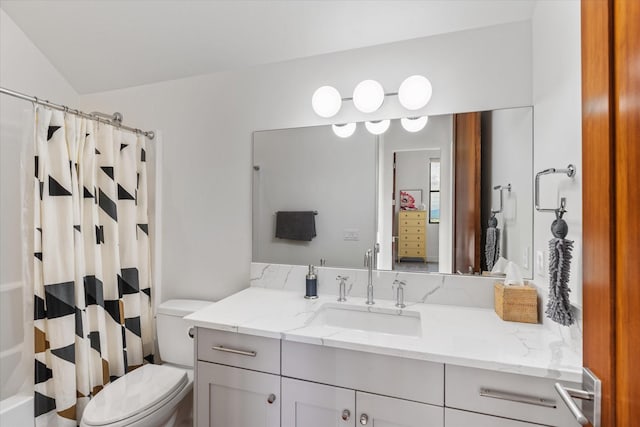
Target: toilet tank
(174, 343)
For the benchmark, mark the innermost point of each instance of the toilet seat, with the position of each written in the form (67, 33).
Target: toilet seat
(135, 395)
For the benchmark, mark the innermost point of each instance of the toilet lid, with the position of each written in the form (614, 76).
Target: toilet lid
(134, 393)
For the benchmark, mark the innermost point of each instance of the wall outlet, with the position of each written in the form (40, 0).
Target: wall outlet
(540, 264)
(351, 234)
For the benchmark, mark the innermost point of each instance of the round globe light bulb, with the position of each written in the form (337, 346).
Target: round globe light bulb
(344, 130)
(368, 96)
(415, 92)
(378, 127)
(326, 101)
(414, 124)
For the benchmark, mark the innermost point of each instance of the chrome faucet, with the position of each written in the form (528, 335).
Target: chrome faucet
(342, 288)
(368, 262)
(400, 293)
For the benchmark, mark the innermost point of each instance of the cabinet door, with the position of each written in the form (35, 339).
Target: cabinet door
(234, 397)
(306, 404)
(381, 411)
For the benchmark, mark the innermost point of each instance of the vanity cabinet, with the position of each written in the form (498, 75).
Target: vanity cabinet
(307, 404)
(249, 381)
(412, 237)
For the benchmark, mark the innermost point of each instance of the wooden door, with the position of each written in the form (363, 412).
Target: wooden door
(611, 203)
(382, 411)
(394, 220)
(307, 404)
(467, 228)
(234, 397)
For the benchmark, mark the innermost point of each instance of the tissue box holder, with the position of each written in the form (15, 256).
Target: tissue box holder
(516, 303)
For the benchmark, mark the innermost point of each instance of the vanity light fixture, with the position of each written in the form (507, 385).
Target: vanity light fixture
(415, 92)
(326, 101)
(414, 124)
(377, 127)
(344, 130)
(368, 96)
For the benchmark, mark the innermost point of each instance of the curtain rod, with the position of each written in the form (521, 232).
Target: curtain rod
(114, 120)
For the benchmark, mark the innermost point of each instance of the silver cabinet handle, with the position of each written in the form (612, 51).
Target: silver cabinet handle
(346, 414)
(271, 398)
(520, 398)
(567, 394)
(234, 351)
(364, 419)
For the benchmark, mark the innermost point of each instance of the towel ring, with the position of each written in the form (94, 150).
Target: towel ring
(570, 171)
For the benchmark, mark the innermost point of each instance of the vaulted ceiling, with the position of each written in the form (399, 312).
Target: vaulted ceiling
(101, 45)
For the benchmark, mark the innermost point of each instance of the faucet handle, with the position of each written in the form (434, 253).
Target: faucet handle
(400, 283)
(400, 293)
(368, 258)
(342, 288)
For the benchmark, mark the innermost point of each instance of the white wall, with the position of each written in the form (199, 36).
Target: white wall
(557, 128)
(313, 169)
(510, 133)
(22, 68)
(207, 122)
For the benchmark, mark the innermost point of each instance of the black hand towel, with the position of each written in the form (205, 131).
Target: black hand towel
(298, 225)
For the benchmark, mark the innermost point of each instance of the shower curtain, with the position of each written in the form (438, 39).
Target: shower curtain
(92, 287)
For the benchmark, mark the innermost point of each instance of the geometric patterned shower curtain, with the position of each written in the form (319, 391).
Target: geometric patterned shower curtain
(92, 284)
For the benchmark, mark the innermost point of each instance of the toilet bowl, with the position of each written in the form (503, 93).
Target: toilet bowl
(153, 395)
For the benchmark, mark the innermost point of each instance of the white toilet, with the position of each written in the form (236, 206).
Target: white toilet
(153, 395)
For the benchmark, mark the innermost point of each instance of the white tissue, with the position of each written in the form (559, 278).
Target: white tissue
(513, 275)
(500, 265)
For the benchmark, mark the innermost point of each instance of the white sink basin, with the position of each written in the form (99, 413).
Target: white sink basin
(368, 319)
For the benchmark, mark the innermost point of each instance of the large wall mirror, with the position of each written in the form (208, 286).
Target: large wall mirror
(444, 199)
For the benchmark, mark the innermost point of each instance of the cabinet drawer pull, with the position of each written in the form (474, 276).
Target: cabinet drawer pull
(271, 398)
(346, 414)
(520, 398)
(234, 351)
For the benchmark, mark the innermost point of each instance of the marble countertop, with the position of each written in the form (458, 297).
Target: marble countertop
(466, 336)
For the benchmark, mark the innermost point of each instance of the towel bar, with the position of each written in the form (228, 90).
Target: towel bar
(570, 171)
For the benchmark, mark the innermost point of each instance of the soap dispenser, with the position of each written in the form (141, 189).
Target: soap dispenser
(312, 284)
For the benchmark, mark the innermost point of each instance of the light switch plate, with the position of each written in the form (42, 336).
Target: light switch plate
(351, 234)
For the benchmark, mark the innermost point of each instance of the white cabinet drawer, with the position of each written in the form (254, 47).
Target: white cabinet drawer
(456, 418)
(507, 395)
(410, 379)
(244, 351)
